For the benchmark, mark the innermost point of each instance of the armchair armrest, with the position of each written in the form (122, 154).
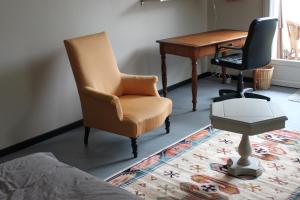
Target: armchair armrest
(110, 102)
(139, 85)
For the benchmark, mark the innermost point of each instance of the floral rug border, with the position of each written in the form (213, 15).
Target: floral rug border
(211, 132)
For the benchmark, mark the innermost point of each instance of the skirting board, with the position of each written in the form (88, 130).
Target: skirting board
(69, 127)
(177, 85)
(292, 84)
(40, 138)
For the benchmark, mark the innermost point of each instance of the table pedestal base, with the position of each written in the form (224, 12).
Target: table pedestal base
(253, 169)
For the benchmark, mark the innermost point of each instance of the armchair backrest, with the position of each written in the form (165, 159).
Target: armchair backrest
(258, 46)
(93, 63)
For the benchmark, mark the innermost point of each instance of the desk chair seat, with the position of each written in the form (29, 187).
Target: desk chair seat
(232, 61)
(255, 53)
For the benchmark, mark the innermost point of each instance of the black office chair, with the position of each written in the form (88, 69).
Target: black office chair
(255, 53)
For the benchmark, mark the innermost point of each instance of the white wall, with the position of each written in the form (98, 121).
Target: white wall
(37, 89)
(233, 15)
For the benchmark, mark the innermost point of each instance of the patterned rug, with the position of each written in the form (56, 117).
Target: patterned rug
(194, 168)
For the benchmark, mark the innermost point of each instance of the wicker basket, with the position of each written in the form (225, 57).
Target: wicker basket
(264, 77)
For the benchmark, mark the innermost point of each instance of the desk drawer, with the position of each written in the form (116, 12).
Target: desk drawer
(237, 43)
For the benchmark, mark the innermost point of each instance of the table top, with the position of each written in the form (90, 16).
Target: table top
(206, 38)
(248, 115)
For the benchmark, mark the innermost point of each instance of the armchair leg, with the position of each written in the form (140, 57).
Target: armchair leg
(167, 123)
(134, 147)
(86, 135)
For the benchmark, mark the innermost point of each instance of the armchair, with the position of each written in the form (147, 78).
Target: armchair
(123, 104)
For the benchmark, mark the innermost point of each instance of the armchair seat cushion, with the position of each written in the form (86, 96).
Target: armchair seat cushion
(143, 113)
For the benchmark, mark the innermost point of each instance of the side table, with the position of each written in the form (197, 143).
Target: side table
(248, 117)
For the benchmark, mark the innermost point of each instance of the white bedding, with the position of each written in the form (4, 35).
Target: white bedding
(41, 176)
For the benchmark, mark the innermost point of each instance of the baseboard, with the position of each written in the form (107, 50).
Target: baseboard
(233, 77)
(246, 79)
(284, 83)
(69, 127)
(177, 85)
(40, 138)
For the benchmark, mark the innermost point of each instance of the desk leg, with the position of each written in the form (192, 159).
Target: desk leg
(223, 71)
(194, 82)
(254, 79)
(164, 73)
(223, 75)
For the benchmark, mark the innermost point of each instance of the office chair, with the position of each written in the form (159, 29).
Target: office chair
(254, 54)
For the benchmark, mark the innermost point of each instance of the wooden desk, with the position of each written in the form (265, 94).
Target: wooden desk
(195, 46)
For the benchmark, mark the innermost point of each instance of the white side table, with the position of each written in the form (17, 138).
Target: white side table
(248, 117)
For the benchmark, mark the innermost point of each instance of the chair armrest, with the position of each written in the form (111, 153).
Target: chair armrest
(109, 101)
(139, 85)
(226, 47)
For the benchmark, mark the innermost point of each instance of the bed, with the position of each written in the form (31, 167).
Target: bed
(41, 176)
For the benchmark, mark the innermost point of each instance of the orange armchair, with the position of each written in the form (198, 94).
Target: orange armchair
(123, 104)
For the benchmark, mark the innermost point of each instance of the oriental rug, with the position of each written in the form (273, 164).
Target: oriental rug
(195, 168)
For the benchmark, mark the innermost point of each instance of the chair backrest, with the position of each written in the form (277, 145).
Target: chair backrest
(258, 46)
(94, 64)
